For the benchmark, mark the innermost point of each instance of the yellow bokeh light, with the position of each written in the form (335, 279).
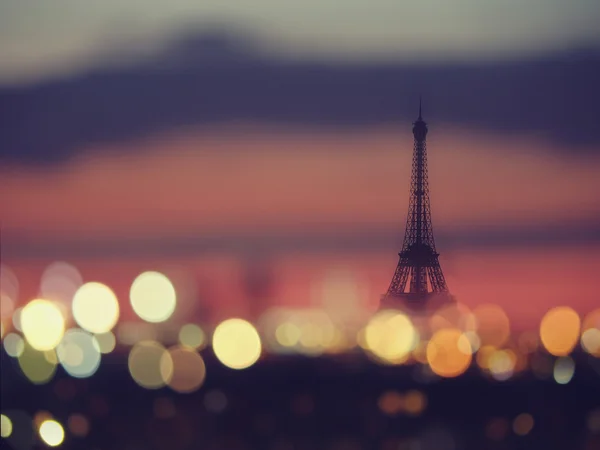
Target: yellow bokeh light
(14, 345)
(150, 364)
(52, 433)
(189, 370)
(559, 330)
(192, 336)
(95, 307)
(43, 324)
(288, 334)
(106, 342)
(236, 343)
(153, 297)
(5, 426)
(564, 369)
(445, 353)
(493, 325)
(16, 319)
(39, 367)
(391, 336)
(501, 364)
(590, 341)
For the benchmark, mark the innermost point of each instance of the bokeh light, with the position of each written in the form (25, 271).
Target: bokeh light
(391, 402)
(523, 424)
(415, 402)
(150, 364)
(5, 426)
(153, 297)
(13, 345)
(189, 370)
(559, 330)
(9, 291)
(16, 319)
(444, 353)
(52, 433)
(564, 369)
(236, 343)
(192, 336)
(60, 282)
(79, 353)
(106, 342)
(590, 341)
(78, 425)
(493, 325)
(215, 401)
(39, 367)
(391, 336)
(501, 364)
(43, 324)
(95, 307)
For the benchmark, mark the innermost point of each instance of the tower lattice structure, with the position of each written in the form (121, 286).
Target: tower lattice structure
(419, 268)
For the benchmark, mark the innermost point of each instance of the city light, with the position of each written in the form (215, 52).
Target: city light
(150, 364)
(236, 343)
(444, 353)
(95, 307)
(153, 297)
(43, 324)
(391, 336)
(52, 433)
(559, 330)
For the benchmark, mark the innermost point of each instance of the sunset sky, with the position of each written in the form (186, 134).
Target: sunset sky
(150, 135)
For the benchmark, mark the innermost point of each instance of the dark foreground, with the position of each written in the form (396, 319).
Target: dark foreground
(299, 403)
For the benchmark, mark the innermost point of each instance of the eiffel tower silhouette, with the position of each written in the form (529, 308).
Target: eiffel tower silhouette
(419, 268)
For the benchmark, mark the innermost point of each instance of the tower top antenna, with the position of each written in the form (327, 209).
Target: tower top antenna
(420, 109)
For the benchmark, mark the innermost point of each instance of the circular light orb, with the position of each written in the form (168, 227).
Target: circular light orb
(446, 353)
(189, 370)
(60, 281)
(153, 297)
(52, 433)
(78, 425)
(391, 336)
(493, 325)
(559, 330)
(590, 341)
(95, 307)
(150, 364)
(236, 343)
(43, 324)
(192, 336)
(564, 369)
(37, 366)
(79, 354)
(5, 426)
(523, 424)
(13, 345)
(106, 342)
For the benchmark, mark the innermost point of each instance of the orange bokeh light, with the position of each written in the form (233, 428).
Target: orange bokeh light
(445, 355)
(559, 330)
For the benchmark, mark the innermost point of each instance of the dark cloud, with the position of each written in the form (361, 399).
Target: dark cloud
(210, 79)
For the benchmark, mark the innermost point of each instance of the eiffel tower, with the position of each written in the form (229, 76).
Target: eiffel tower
(419, 269)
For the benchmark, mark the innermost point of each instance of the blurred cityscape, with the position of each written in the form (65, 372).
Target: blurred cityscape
(202, 205)
(337, 375)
